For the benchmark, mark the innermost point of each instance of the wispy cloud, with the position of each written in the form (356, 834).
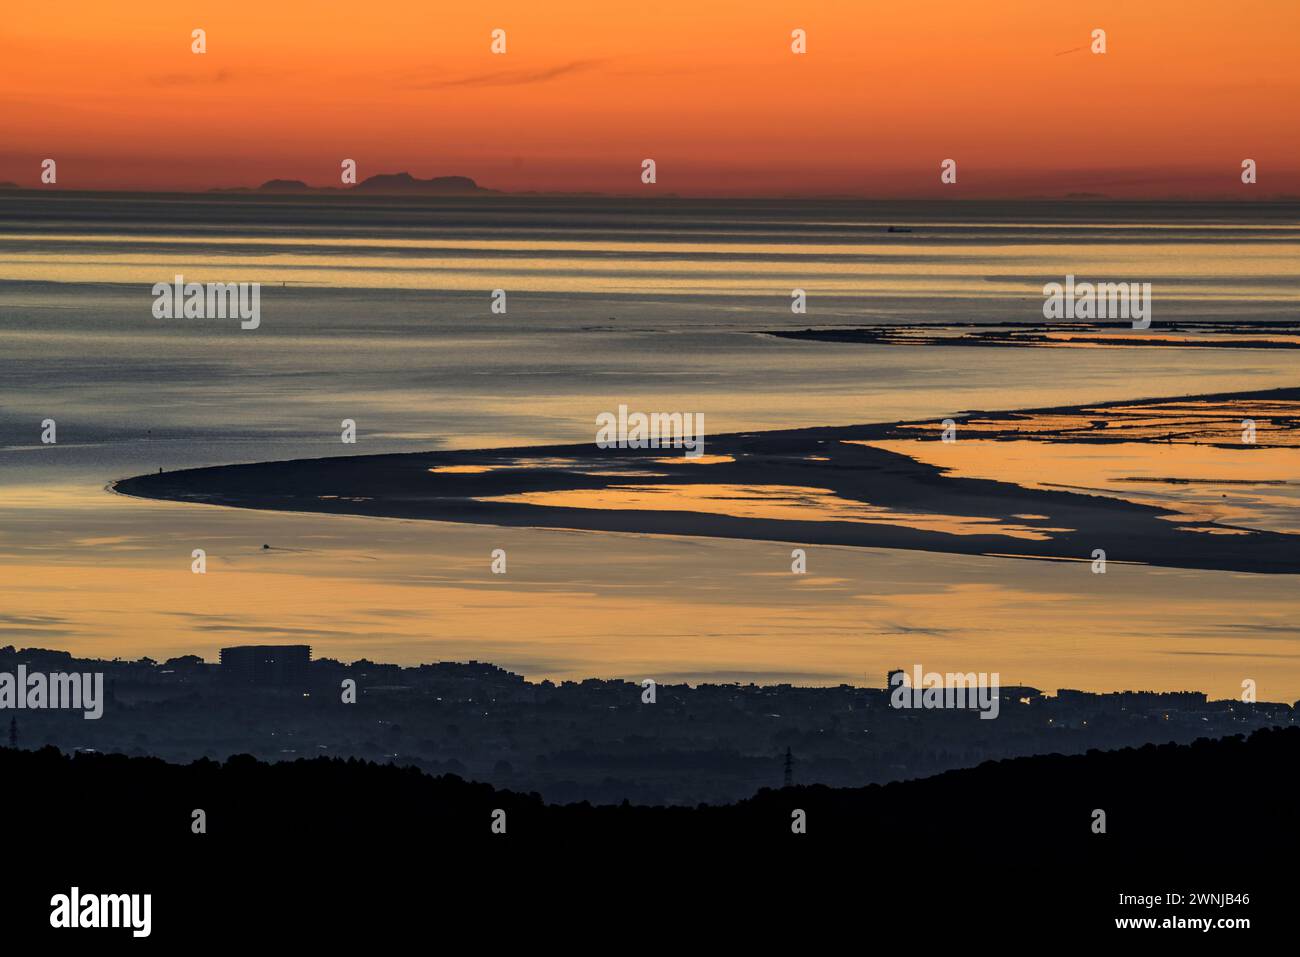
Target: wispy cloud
(38, 620)
(32, 626)
(894, 628)
(190, 79)
(517, 77)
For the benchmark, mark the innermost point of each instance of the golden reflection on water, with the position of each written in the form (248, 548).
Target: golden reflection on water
(697, 460)
(923, 268)
(1249, 486)
(1079, 339)
(780, 502)
(1170, 422)
(100, 574)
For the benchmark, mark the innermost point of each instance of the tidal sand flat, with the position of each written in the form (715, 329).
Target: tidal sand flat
(839, 485)
(1211, 334)
(1229, 463)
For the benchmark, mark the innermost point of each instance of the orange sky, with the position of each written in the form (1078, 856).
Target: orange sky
(708, 89)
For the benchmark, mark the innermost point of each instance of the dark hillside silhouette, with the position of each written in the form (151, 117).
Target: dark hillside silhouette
(283, 838)
(1154, 796)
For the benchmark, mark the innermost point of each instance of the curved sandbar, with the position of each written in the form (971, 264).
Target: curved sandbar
(816, 486)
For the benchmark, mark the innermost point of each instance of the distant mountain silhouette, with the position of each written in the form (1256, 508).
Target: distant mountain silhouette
(382, 184)
(284, 186)
(406, 183)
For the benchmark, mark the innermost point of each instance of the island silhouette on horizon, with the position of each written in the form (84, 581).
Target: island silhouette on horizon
(381, 184)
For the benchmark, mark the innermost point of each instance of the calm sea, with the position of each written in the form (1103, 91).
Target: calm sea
(380, 312)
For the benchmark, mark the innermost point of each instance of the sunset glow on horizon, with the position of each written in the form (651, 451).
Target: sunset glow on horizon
(713, 93)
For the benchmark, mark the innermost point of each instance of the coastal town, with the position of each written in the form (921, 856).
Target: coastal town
(596, 740)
